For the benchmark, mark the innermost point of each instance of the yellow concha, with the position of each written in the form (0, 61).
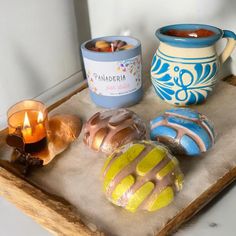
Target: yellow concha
(141, 175)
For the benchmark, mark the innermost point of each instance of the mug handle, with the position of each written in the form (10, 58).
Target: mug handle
(231, 42)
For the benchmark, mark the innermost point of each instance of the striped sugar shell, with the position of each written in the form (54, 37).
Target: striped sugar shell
(141, 175)
(184, 131)
(107, 130)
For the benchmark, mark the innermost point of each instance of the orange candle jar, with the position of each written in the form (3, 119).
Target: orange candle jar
(30, 117)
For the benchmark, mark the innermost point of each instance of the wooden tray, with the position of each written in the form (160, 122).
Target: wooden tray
(58, 216)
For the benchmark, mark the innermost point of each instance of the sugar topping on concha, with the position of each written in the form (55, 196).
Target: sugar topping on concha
(184, 131)
(141, 175)
(107, 130)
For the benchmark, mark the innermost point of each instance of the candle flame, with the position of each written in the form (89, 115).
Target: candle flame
(40, 117)
(26, 123)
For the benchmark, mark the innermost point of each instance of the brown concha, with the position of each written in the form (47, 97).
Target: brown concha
(105, 131)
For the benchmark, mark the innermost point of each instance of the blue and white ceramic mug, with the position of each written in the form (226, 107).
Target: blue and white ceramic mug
(114, 78)
(184, 69)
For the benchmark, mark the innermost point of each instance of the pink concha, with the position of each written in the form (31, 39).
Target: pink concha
(107, 130)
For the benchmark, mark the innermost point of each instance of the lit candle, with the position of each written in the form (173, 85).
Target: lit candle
(30, 117)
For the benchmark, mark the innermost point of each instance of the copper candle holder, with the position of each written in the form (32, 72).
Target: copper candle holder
(28, 119)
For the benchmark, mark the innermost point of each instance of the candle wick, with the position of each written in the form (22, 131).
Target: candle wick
(18, 131)
(112, 47)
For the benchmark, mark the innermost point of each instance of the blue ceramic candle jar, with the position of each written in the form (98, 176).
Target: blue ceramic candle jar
(114, 78)
(185, 66)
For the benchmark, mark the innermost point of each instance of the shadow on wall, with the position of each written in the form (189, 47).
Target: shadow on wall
(227, 9)
(31, 70)
(149, 48)
(82, 19)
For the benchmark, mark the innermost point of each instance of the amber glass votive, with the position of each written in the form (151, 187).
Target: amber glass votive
(30, 118)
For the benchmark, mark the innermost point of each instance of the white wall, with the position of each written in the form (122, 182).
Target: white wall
(39, 48)
(142, 17)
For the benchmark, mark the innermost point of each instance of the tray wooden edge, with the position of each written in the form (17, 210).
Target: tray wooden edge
(57, 215)
(51, 212)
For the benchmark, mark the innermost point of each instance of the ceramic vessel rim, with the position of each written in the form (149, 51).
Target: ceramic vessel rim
(218, 33)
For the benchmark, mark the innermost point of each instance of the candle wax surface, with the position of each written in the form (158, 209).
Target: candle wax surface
(107, 46)
(31, 134)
